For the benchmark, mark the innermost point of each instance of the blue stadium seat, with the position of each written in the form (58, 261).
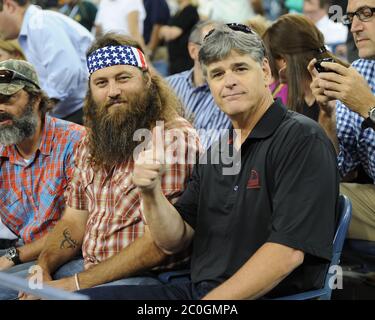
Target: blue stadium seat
(345, 210)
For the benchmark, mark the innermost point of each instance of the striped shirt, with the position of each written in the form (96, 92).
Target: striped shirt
(113, 201)
(199, 105)
(32, 192)
(357, 146)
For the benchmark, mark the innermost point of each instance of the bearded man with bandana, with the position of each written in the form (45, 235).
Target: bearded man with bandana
(36, 163)
(127, 108)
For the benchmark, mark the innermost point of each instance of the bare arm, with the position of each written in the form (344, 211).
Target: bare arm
(260, 274)
(167, 228)
(98, 30)
(169, 33)
(154, 39)
(133, 18)
(170, 232)
(64, 241)
(140, 255)
(27, 253)
(31, 251)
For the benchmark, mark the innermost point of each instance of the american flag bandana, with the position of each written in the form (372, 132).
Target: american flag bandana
(115, 55)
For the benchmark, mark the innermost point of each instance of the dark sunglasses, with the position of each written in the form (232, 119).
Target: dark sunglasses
(363, 14)
(7, 76)
(234, 27)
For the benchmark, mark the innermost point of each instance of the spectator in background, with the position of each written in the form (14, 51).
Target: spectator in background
(229, 11)
(55, 45)
(176, 34)
(82, 11)
(36, 164)
(279, 89)
(292, 41)
(122, 16)
(157, 15)
(339, 9)
(335, 33)
(192, 89)
(10, 49)
(347, 99)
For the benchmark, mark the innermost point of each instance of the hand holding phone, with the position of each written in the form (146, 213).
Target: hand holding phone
(318, 66)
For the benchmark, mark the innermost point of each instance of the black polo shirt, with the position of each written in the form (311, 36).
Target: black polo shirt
(286, 192)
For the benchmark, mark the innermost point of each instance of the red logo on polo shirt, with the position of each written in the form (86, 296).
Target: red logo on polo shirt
(253, 182)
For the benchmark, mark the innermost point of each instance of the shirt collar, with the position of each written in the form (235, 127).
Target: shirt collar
(47, 136)
(270, 121)
(189, 79)
(44, 147)
(266, 126)
(30, 11)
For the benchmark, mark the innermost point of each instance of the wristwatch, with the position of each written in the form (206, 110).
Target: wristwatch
(370, 121)
(12, 254)
(371, 114)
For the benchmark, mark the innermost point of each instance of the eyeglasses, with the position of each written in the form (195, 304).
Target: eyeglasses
(7, 76)
(364, 14)
(234, 27)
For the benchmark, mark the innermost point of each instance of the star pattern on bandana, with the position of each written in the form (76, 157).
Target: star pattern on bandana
(112, 55)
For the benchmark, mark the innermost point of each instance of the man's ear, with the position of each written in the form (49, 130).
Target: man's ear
(266, 72)
(10, 6)
(193, 50)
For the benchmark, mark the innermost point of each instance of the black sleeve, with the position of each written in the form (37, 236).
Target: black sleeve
(187, 204)
(305, 195)
(186, 19)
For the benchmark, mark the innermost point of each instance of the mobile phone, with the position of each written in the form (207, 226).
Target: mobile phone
(319, 67)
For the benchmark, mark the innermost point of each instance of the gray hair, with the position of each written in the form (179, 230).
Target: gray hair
(219, 44)
(196, 32)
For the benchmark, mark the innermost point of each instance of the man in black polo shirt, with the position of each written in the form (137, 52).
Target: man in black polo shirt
(267, 228)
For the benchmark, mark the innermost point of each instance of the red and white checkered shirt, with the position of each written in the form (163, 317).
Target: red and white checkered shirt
(32, 193)
(113, 201)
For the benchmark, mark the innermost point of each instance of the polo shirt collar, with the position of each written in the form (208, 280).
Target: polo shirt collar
(30, 11)
(189, 80)
(270, 121)
(266, 126)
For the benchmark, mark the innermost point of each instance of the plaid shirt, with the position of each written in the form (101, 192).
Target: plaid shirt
(113, 201)
(32, 194)
(357, 146)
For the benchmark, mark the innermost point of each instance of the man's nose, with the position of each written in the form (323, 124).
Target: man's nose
(357, 25)
(230, 80)
(114, 90)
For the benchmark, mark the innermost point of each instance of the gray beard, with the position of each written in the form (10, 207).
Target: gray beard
(22, 128)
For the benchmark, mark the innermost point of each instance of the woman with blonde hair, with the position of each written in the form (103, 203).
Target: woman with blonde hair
(292, 41)
(10, 49)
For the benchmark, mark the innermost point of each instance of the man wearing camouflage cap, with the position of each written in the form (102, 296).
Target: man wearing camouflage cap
(36, 159)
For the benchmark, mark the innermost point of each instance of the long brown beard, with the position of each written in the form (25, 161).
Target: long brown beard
(111, 134)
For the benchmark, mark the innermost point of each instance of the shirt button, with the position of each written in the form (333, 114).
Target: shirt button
(235, 188)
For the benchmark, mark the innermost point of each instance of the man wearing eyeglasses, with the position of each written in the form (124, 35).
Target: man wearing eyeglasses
(36, 159)
(265, 229)
(347, 100)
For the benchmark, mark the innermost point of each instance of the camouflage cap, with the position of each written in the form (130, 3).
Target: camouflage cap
(23, 68)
